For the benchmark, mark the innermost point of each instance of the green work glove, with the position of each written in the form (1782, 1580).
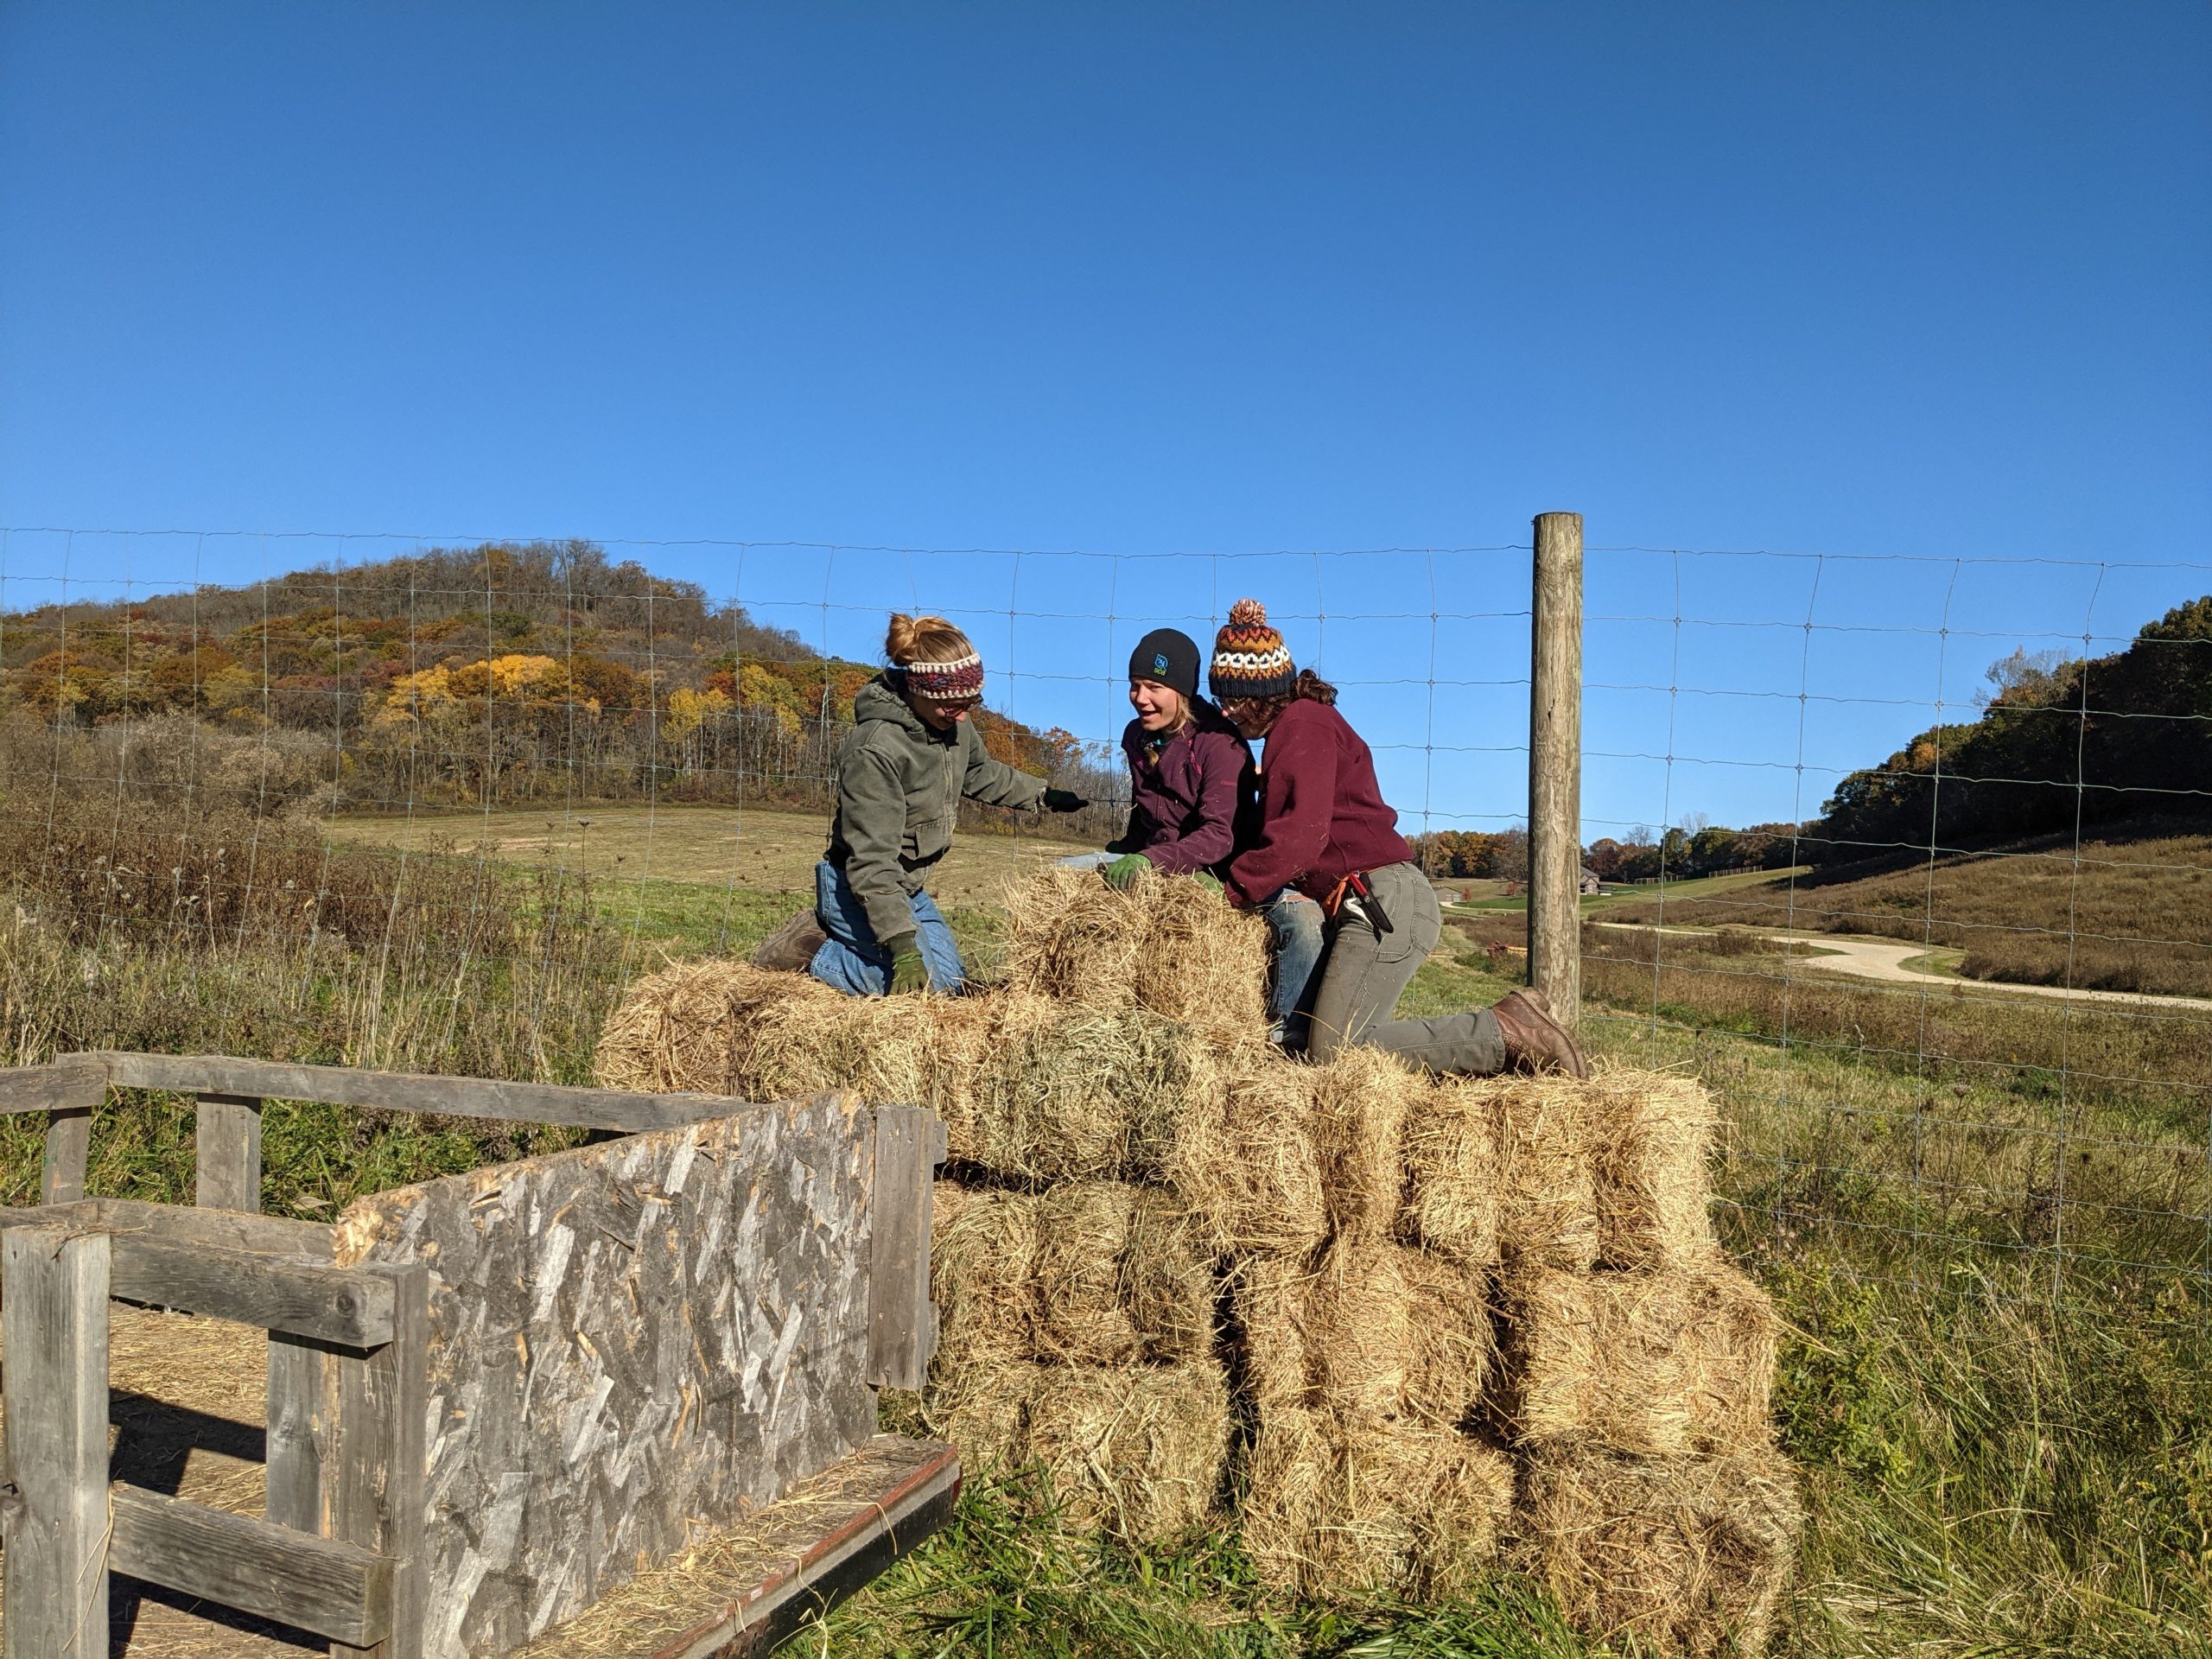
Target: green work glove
(1064, 800)
(1124, 870)
(1211, 883)
(908, 971)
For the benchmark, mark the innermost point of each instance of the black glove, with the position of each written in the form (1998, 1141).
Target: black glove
(1064, 800)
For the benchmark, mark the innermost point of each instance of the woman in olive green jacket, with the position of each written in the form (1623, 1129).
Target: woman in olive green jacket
(912, 757)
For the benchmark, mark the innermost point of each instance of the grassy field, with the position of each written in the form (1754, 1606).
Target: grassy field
(2132, 915)
(630, 849)
(1993, 1468)
(1618, 899)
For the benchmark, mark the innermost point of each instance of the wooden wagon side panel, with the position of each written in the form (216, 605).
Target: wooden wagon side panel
(629, 1344)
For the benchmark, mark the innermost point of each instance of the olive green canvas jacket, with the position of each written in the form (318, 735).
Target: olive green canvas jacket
(898, 784)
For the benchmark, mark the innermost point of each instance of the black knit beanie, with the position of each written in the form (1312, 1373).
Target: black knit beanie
(1170, 657)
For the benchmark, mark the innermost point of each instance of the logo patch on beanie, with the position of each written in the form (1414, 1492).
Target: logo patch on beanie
(1159, 661)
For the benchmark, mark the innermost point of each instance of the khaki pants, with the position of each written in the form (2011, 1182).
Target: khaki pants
(1362, 975)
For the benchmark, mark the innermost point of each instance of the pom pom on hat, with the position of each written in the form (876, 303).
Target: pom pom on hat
(1249, 658)
(1248, 613)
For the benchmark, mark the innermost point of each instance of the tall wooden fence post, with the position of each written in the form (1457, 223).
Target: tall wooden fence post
(1556, 766)
(55, 1321)
(373, 1486)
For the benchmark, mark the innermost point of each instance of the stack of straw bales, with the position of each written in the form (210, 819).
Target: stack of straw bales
(1411, 1329)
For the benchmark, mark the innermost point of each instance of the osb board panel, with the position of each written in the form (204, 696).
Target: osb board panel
(631, 1345)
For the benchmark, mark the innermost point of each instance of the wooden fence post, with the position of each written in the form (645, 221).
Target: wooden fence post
(54, 1318)
(910, 1143)
(1556, 766)
(228, 1134)
(298, 1432)
(73, 1086)
(68, 1148)
(375, 1481)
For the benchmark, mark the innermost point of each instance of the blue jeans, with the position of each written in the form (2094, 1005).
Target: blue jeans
(851, 961)
(1299, 939)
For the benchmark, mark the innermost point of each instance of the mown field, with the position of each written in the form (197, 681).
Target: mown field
(1988, 1227)
(2132, 915)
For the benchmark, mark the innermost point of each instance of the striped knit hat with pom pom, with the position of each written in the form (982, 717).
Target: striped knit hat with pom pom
(1249, 658)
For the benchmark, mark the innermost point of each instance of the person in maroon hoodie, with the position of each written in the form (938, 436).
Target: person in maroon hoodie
(1326, 830)
(1192, 802)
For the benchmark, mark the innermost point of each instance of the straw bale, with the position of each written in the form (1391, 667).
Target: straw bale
(1138, 1450)
(1656, 1364)
(1245, 1161)
(1650, 1138)
(1026, 1088)
(1548, 1195)
(1452, 1180)
(1608, 1172)
(1095, 1273)
(1120, 1279)
(982, 1260)
(1340, 1508)
(1362, 1099)
(1690, 1555)
(729, 1028)
(1062, 1094)
(1165, 944)
(1366, 1332)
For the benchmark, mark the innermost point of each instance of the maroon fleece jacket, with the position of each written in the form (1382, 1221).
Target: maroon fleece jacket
(1322, 815)
(1189, 801)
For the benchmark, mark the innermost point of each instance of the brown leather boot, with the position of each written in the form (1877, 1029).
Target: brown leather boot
(790, 947)
(1534, 1041)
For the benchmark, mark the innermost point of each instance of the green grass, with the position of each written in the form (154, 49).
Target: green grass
(1945, 963)
(998, 1582)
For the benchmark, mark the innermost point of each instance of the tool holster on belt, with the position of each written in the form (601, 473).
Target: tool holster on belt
(1355, 897)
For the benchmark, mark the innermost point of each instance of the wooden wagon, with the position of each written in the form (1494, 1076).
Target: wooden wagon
(491, 1399)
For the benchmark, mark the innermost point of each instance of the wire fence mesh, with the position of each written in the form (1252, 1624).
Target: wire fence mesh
(433, 803)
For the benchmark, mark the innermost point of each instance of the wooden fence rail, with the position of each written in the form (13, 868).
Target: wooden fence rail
(230, 1092)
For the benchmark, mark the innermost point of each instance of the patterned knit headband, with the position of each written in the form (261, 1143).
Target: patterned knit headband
(960, 680)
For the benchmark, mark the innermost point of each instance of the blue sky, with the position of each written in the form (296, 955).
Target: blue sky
(1897, 290)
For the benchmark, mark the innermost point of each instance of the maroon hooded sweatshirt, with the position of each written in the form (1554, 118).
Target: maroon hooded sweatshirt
(1322, 815)
(1191, 800)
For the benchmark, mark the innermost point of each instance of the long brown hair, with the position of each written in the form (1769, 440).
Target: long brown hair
(1309, 687)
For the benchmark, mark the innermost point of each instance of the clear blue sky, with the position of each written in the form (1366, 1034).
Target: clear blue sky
(1929, 280)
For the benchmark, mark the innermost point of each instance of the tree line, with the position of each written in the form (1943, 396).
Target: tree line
(2059, 741)
(488, 676)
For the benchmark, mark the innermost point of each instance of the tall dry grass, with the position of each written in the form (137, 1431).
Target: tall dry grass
(219, 932)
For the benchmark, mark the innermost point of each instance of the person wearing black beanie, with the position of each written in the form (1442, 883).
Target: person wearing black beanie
(1192, 796)
(1168, 656)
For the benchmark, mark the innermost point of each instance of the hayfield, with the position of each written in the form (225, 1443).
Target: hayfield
(1993, 1468)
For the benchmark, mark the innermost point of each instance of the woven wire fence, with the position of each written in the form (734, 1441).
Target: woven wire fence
(1908, 857)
